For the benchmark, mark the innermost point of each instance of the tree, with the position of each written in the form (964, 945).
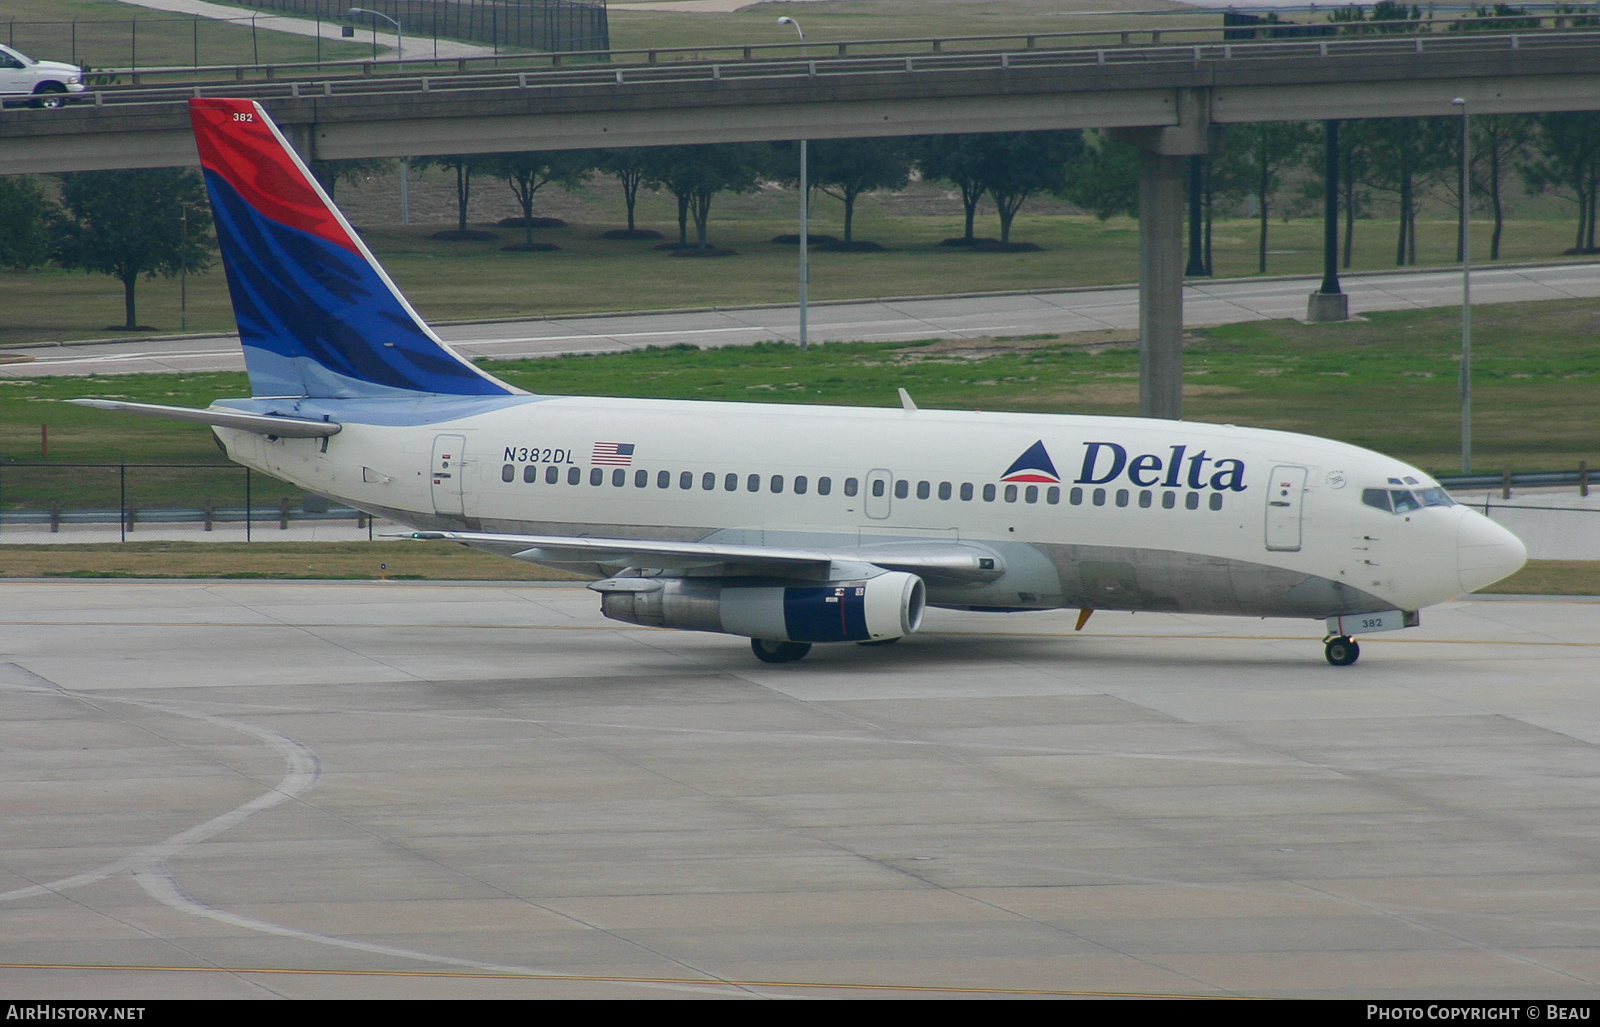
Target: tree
(463, 167)
(1404, 155)
(630, 166)
(696, 174)
(1104, 178)
(1566, 159)
(131, 223)
(1499, 142)
(957, 159)
(1023, 164)
(24, 223)
(1253, 165)
(527, 173)
(846, 168)
(331, 172)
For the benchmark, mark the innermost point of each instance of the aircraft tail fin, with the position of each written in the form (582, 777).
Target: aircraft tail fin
(317, 315)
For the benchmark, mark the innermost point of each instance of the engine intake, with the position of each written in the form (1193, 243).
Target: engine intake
(871, 609)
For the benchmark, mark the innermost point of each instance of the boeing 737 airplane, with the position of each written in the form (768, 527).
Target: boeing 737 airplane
(791, 525)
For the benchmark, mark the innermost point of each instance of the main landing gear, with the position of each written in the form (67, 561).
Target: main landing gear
(1341, 650)
(778, 652)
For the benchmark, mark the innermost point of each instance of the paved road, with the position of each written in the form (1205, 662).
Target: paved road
(1205, 303)
(416, 47)
(497, 787)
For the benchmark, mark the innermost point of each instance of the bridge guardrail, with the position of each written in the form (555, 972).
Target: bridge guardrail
(792, 67)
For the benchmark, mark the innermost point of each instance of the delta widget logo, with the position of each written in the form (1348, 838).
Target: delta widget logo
(1033, 465)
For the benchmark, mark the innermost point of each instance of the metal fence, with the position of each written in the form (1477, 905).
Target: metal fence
(41, 497)
(558, 25)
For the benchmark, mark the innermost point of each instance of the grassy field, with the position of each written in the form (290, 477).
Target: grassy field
(890, 19)
(1388, 383)
(466, 280)
(101, 34)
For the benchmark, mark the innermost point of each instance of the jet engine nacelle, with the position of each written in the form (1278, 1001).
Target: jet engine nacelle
(871, 609)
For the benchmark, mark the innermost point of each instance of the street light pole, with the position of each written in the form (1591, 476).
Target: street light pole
(805, 206)
(1466, 290)
(399, 40)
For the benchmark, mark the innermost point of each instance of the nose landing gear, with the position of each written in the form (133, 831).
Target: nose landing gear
(1341, 650)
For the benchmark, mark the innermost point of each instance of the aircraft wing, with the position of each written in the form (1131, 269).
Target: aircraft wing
(961, 561)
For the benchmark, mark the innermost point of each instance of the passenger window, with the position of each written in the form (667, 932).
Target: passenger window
(851, 486)
(1216, 501)
(1031, 494)
(663, 479)
(1144, 500)
(944, 490)
(776, 483)
(924, 490)
(966, 492)
(1052, 495)
(1192, 501)
(508, 473)
(708, 481)
(800, 484)
(1122, 497)
(877, 487)
(753, 483)
(730, 483)
(1011, 493)
(1075, 497)
(619, 478)
(902, 488)
(1169, 500)
(988, 493)
(1378, 499)
(551, 474)
(596, 476)
(824, 486)
(641, 479)
(574, 476)
(530, 473)
(686, 480)
(1099, 497)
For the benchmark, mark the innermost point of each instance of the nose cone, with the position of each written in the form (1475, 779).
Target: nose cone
(1486, 552)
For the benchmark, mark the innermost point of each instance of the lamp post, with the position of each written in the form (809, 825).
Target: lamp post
(399, 40)
(805, 206)
(1466, 292)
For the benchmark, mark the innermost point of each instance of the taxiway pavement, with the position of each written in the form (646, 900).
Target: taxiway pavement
(435, 790)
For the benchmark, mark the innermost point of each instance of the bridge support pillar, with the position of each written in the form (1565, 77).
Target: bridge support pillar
(1163, 172)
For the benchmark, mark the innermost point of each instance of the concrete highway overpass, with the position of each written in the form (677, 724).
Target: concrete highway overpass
(1172, 99)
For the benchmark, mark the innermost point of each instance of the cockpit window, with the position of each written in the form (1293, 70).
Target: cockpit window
(1435, 497)
(1377, 498)
(1404, 502)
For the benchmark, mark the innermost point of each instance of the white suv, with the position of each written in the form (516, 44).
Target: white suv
(48, 81)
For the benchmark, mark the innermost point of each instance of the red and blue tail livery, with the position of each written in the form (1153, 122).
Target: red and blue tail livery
(317, 315)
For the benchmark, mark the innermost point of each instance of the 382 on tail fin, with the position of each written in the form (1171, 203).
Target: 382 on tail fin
(317, 315)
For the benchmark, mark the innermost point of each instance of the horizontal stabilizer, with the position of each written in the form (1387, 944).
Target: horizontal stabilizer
(261, 424)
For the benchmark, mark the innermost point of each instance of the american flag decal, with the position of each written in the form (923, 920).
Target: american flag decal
(615, 454)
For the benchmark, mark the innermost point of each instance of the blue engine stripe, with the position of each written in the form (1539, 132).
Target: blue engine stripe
(298, 297)
(827, 614)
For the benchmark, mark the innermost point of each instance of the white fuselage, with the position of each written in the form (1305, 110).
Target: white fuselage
(1138, 514)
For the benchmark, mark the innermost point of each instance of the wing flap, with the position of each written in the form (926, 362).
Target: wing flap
(962, 561)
